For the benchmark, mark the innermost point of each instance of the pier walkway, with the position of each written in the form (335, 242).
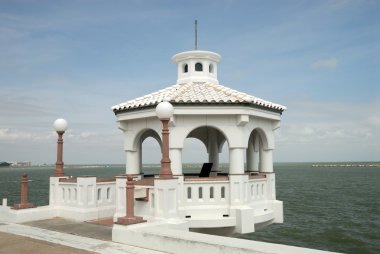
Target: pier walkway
(60, 236)
(18, 238)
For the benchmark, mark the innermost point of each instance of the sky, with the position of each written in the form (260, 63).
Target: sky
(76, 59)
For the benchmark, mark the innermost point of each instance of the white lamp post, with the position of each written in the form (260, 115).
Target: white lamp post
(60, 125)
(164, 111)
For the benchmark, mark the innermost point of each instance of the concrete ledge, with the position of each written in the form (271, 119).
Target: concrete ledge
(46, 212)
(24, 215)
(175, 241)
(84, 214)
(211, 222)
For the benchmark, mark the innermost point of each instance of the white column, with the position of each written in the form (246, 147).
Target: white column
(87, 192)
(132, 163)
(166, 198)
(250, 161)
(267, 161)
(139, 151)
(175, 155)
(213, 151)
(256, 155)
(120, 197)
(237, 160)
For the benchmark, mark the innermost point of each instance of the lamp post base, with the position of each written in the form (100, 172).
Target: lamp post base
(130, 220)
(23, 206)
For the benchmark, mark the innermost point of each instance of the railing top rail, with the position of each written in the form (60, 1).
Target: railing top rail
(206, 179)
(75, 179)
(145, 182)
(103, 180)
(68, 180)
(257, 177)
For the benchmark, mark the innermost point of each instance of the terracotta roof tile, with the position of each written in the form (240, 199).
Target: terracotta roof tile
(196, 93)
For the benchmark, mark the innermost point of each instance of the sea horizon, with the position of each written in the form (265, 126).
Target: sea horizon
(222, 164)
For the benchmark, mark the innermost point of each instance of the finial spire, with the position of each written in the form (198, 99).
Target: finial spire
(196, 34)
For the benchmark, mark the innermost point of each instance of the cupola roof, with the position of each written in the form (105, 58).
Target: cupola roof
(197, 84)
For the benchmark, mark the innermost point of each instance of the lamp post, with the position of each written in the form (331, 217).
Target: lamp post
(60, 125)
(164, 111)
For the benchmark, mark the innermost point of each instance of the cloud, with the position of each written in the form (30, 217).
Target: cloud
(374, 120)
(325, 63)
(328, 131)
(9, 134)
(17, 135)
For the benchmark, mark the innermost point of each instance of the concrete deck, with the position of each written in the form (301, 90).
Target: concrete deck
(87, 229)
(10, 243)
(62, 236)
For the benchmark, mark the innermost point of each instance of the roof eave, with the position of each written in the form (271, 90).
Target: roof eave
(252, 105)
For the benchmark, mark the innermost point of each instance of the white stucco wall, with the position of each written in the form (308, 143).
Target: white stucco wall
(235, 123)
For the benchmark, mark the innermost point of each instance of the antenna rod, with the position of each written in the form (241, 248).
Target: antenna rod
(196, 34)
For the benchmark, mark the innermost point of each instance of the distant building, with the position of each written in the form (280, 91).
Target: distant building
(21, 164)
(4, 164)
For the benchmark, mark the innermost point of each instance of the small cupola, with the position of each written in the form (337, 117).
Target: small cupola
(197, 66)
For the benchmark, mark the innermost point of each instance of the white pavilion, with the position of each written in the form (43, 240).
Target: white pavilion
(166, 212)
(237, 201)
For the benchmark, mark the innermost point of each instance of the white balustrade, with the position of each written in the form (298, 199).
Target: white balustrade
(84, 192)
(257, 189)
(205, 198)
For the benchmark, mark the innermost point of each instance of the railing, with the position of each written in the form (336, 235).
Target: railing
(257, 189)
(83, 192)
(214, 195)
(202, 196)
(143, 194)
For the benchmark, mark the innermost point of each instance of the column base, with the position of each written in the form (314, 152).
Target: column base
(23, 206)
(130, 220)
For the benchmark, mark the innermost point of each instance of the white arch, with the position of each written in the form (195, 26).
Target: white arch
(213, 138)
(134, 156)
(259, 152)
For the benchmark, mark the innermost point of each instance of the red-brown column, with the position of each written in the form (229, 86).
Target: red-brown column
(130, 217)
(59, 163)
(130, 194)
(24, 194)
(24, 189)
(166, 171)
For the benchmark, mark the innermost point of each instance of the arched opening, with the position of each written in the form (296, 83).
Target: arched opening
(194, 153)
(188, 192)
(198, 67)
(256, 142)
(150, 156)
(200, 192)
(99, 194)
(108, 193)
(203, 145)
(185, 68)
(144, 150)
(211, 68)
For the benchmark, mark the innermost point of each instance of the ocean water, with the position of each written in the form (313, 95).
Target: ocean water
(327, 208)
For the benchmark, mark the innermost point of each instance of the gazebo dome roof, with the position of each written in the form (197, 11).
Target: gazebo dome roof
(197, 84)
(197, 93)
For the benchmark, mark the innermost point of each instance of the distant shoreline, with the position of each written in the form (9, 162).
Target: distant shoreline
(372, 165)
(222, 165)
